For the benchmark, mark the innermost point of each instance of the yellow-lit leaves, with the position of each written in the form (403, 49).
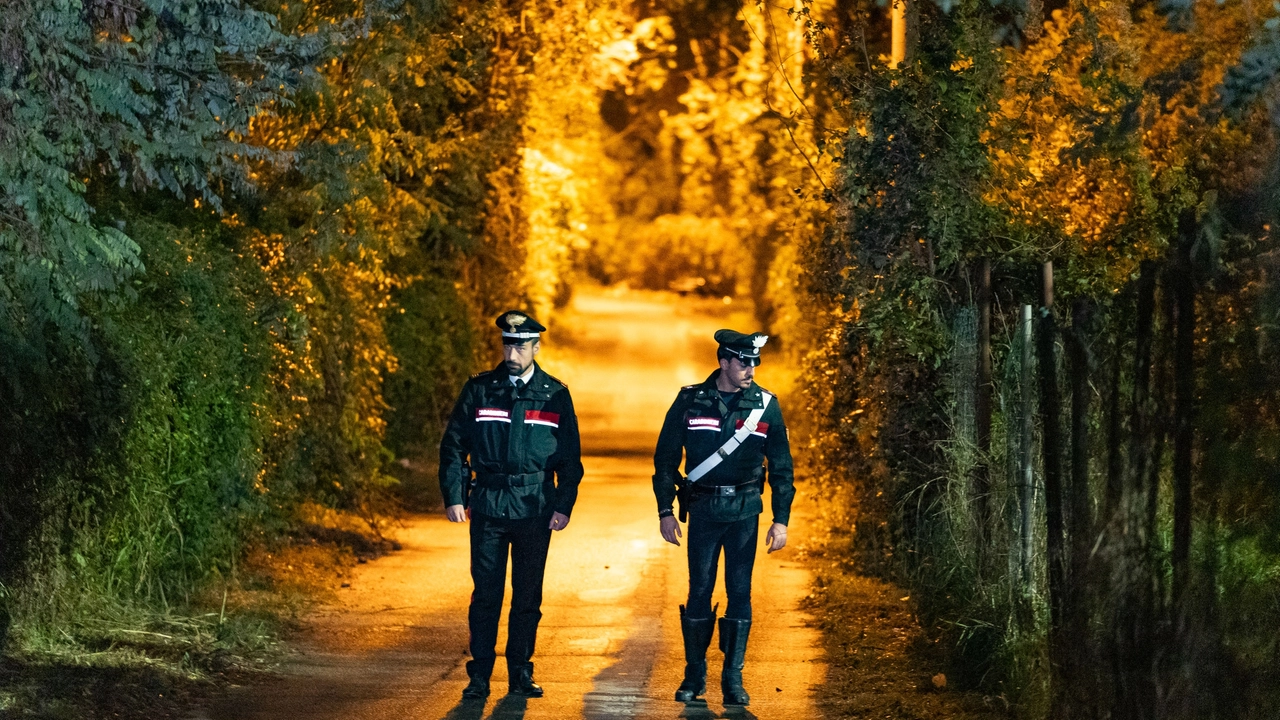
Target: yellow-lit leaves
(1108, 128)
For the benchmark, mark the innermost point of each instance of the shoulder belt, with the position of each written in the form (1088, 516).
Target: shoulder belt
(733, 443)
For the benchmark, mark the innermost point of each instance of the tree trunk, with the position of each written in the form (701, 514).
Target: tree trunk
(1131, 573)
(1184, 385)
(1114, 498)
(1140, 448)
(1079, 510)
(1050, 419)
(1074, 657)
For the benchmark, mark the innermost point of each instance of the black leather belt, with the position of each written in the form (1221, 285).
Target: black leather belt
(498, 480)
(724, 490)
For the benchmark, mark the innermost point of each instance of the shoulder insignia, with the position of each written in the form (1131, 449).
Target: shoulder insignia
(691, 394)
(484, 375)
(553, 378)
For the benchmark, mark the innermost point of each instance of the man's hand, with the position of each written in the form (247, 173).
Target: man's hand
(777, 537)
(559, 521)
(670, 528)
(456, 513)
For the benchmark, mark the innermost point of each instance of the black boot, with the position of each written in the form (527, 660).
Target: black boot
(697, 637)
(478, 688)
(733, 641)
(520, 681)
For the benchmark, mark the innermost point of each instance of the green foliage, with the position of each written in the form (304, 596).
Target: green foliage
(255, 281)
(1255, 73)
(435, 343)
(913, 207)
(147, 95)
(193, 358)
(133, 477)
(1100, 144)
(392, 144)
(893, 271)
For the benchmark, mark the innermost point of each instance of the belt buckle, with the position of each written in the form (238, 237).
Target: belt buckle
(728, 491)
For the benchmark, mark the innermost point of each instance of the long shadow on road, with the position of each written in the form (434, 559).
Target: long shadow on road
(619, 691)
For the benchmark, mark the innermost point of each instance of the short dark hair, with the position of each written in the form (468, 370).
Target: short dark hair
(521, 341)
(723, 353)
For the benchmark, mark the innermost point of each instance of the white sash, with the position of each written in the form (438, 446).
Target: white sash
(725, 450)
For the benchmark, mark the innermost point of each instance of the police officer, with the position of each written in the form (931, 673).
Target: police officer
(726, 427)
(515, 428)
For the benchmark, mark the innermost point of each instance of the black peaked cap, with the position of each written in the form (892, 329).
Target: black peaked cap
(746, 346)
(518, 326)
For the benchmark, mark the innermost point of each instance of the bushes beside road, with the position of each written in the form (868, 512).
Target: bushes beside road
(218, 307)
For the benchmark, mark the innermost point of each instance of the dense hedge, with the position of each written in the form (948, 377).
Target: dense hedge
(251, 290)
(130, 462)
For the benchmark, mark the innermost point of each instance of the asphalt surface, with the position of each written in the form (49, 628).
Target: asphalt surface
(609, 646)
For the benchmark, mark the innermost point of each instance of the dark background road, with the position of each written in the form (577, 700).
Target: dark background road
(394, 644)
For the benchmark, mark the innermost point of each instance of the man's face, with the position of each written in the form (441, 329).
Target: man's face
(738, 374)
(518, 357)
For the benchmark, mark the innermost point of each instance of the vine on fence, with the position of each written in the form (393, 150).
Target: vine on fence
(1100, 144)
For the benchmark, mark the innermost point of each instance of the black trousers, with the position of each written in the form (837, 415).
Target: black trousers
(706, 540)
(491, 540)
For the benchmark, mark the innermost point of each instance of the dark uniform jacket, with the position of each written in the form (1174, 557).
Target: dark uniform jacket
(697, 424)
(522, 446)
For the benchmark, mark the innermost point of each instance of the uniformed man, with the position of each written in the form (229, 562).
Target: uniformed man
(727, 429)
(513, 427)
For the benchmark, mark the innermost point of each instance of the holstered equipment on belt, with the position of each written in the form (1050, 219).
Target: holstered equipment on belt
(468, 484)
(683, 499)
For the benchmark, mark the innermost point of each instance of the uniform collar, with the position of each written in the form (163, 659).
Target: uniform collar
(751, 397)
(527, 376)
(538, 386)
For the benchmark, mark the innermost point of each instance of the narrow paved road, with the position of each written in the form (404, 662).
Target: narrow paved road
(609, 644)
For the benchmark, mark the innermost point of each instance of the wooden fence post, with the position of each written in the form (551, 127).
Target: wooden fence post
(983, 405)
(1026, 430)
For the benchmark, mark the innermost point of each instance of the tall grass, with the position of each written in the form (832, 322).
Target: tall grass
(134, 463)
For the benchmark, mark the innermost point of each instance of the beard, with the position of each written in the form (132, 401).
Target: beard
(515, 369)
